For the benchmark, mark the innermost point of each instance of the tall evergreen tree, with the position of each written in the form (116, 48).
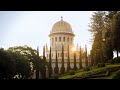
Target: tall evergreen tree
(100, 27)
(75, 67)
(86, 57)
(50, 65)
(80, 58)
(91, 58)
(62, 68)
(56, 69)
(68, 62)
(37, 65)
(116, 33)
(44, 63)
(104, 22)
(107, 44)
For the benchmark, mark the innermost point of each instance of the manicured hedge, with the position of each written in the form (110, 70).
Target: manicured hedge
(115, 60)
(86, 69)
(55, 76)
(101, 65)
(71, 72)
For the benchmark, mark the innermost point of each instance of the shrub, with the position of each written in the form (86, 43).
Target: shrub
(55, 76)
(62, 70)
(115, 60)
(116, 75)
(86, 69)
(56, 70)
(112, 61)
(108, 62)
(71, 72)
(101, 65)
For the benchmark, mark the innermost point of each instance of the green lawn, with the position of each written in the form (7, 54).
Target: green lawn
(80, 73)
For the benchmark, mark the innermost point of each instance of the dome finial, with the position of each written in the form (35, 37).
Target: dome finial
(61, 18)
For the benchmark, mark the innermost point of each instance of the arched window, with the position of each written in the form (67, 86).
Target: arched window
(63, 39)
(59, 39)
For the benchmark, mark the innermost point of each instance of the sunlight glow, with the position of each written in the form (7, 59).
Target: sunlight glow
(73, 49)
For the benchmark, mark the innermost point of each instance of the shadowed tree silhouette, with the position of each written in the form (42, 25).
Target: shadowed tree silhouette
(80, 59)
(68, 62)
(86, 58)
(62, 70)
(56, 69)
(75, 67)
(50, 67)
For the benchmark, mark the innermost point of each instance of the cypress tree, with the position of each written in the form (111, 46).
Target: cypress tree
(86, 58)
(91, 57)
(37, 69)
(80, 58)
(56, 69)
(75, 67)
(116, 33)
(62, 68)
(50, 65)
(68, 63)
(44, 62)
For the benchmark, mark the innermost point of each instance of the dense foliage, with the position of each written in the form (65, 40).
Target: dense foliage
(115, 60)
(32, 57)
(14, 65)
(106, 33)
(116, 75)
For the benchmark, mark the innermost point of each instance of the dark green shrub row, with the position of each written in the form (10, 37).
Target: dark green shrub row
(71, 72)
(101, 65)
(115, 60)
(55, 76)
(86, 69)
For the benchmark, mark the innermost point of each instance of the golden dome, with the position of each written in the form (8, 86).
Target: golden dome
(61, 26)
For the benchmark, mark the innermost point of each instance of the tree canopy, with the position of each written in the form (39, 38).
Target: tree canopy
(13, 64)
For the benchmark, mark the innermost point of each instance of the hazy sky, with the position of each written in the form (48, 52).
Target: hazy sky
(32, 28)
